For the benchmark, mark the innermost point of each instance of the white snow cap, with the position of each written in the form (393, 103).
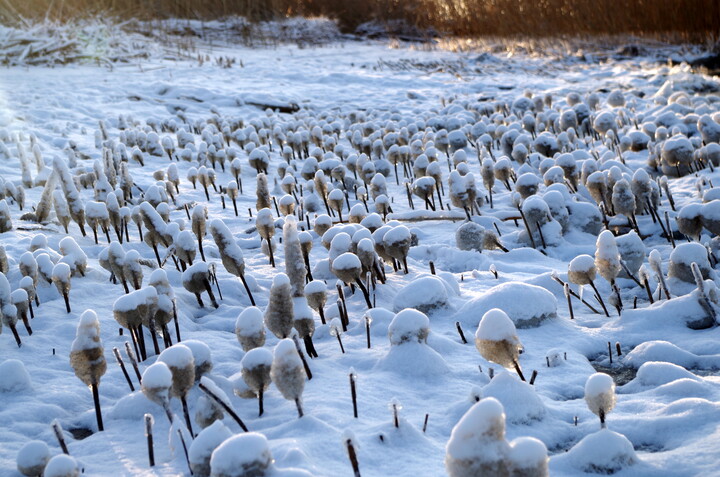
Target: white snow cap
(600, 393)
(527, 452)
(88, 332)
(135, 299)
(582, 264)
(4, 289)
(256, 357)
(495, 325)
(340, 240)
(250, 321)
(61, 272)
(606, 246)
(248, 451)
(408, 325)
(599, 383)
(62, 465)
(315, 286)
(396, 234)
(207, 441)
(603, 452)
(158, 275)
(197, 267)
(688, 253)
(336, 194)
(96, 210)
(484, 421)
(280, 279)
(38, 241)
(285, 353)
(346, 261)
(157, 375)
(264, 217)
(14, 377)
(33, 455)
(177, 356)
(201, 352)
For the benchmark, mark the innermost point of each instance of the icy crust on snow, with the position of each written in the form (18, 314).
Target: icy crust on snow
(527, 305)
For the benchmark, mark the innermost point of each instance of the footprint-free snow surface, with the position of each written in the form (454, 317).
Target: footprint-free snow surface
(578, 156)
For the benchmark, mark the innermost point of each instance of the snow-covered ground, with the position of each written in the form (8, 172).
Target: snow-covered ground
(668, 411)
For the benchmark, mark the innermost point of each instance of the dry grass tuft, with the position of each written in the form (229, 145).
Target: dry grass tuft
(683, 20)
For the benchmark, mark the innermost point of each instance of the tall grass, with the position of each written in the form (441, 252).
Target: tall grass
(695, 20)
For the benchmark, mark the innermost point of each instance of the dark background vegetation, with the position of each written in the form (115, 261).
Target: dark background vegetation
(691, 20)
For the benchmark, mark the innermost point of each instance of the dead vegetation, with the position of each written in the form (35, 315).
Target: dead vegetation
(689, 20)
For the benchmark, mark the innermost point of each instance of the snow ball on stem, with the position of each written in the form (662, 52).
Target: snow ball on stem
(600, 395)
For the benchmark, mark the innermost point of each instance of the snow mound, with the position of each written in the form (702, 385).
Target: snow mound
(604, 452)
(685, 311)
(202, 356)
(62, 465)
(528, 456)
(683, 256)
(414, 359)
(526, 305)
(32, 458)
(485, 420)
(521, 402)
(203, 446)
(14, 377)
(477, 445)
(657, 373)
(425, 294)
(256, 357)
(662, 351)
(241, 455)
(495, 325)
(409, 326)
(600, 395)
